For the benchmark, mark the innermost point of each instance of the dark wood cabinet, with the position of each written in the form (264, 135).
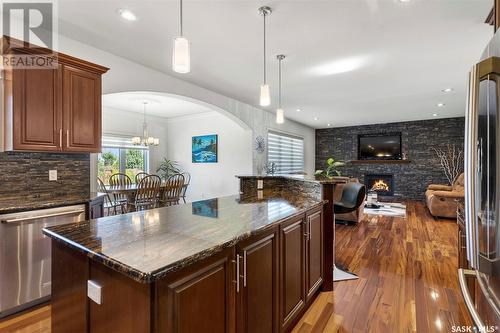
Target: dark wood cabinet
(314, 253)
(37, 113)
(292, 270)
(95, 208)
(82, 110)
(52, 109)
(210, 283)
(257, 295)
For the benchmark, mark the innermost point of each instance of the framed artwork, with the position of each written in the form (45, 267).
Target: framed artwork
(204, 149)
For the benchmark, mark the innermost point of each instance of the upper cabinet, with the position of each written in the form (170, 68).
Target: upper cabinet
(56, 109)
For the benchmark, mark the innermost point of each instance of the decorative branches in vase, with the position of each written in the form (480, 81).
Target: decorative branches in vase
(452, 161)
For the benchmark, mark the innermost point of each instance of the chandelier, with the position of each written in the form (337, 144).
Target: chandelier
(146, 139)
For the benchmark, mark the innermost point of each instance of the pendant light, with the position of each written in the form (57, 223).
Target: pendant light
(280, 113)
(181, 62)
(265, 96)
(146, 140)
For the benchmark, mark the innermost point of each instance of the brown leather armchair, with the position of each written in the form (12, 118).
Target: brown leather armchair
(442, 199)
(354, 216)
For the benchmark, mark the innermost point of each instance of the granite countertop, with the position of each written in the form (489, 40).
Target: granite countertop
(148, 245)
(305, 178)
(19, 205)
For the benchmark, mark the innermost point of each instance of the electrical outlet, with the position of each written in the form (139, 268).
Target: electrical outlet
(94, 291)
(52, 175)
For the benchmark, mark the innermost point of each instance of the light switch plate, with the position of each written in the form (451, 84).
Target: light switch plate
(260, 184)
(260, 194)
(94, 291)
(52, 175)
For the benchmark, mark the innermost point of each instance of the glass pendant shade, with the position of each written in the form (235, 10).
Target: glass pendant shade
(280, 116)
(136, 140)
(265, 96)
(181, 62)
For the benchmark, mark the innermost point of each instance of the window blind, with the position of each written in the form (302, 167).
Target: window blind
(286, 151)
(112, 141)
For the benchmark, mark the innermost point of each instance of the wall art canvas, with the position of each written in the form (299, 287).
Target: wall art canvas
(204, 148)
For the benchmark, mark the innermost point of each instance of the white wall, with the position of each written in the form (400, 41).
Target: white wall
(210, 180)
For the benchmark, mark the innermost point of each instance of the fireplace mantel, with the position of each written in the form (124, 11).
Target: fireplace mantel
(380, 161)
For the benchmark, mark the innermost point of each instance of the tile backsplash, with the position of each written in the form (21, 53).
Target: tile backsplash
(24, 177)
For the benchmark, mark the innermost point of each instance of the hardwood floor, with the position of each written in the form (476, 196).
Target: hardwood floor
(408, 281)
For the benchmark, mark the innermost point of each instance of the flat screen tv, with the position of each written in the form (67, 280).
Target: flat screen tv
(379, 146)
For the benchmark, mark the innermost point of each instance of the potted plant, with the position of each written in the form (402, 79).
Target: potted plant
(331, 169)
(168, 168)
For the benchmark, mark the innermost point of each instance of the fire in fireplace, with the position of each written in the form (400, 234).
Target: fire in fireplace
(382, 184)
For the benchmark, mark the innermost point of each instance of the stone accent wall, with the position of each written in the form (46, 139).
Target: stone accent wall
(418, 137)
(25, 177)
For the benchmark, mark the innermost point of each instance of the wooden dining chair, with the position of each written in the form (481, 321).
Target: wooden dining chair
(110, 204)
(140, 176)
(146, 196)
(173, 188)
(120, 179)
(187, 180)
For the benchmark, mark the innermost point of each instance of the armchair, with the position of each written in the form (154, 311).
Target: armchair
(442, 199)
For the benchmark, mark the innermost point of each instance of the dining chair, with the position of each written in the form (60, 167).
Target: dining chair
(109, 202)
(173, 188)
(120, 179)
(140, 176)
(187, 180)
(146, 196)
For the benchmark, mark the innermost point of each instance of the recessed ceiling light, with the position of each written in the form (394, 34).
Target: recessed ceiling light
(440, 105)
(298, 110)
(435, 114)
(447, 90)
(404, 0)
(316, 118)
(328, 125)
(127, 14)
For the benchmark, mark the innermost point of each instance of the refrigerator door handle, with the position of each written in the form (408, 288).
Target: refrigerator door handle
(462, 275)
(470, 168)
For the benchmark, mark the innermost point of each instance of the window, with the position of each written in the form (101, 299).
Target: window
(120, 155)
(286, 151)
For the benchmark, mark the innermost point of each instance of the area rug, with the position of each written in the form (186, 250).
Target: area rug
(340, 275)
(394, 209)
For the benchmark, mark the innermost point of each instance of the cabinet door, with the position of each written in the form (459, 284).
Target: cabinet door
(257, 298)
(314, 253)
(36, 109)
(81, 110)
(199, 298)
(292, 270)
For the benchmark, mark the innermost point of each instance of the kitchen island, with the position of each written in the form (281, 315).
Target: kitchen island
(250, 263)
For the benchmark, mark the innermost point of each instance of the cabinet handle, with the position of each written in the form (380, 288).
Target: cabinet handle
(237, 262)
(67, 138)
(60, 138)
(244, 268)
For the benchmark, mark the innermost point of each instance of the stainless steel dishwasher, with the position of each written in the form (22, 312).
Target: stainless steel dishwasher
(25, 255)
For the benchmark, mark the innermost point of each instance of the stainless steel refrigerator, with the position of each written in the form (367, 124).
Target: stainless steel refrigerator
(482, 192)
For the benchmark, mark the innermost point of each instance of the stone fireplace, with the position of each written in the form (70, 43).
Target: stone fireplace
(383, 184)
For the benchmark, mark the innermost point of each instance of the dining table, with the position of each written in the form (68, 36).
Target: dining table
(130, 191)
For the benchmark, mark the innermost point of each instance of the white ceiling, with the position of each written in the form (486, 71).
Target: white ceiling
(407, 52)
(158, 104)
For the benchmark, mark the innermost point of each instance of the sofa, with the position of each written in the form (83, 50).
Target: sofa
(442, 199)
(354, 216)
